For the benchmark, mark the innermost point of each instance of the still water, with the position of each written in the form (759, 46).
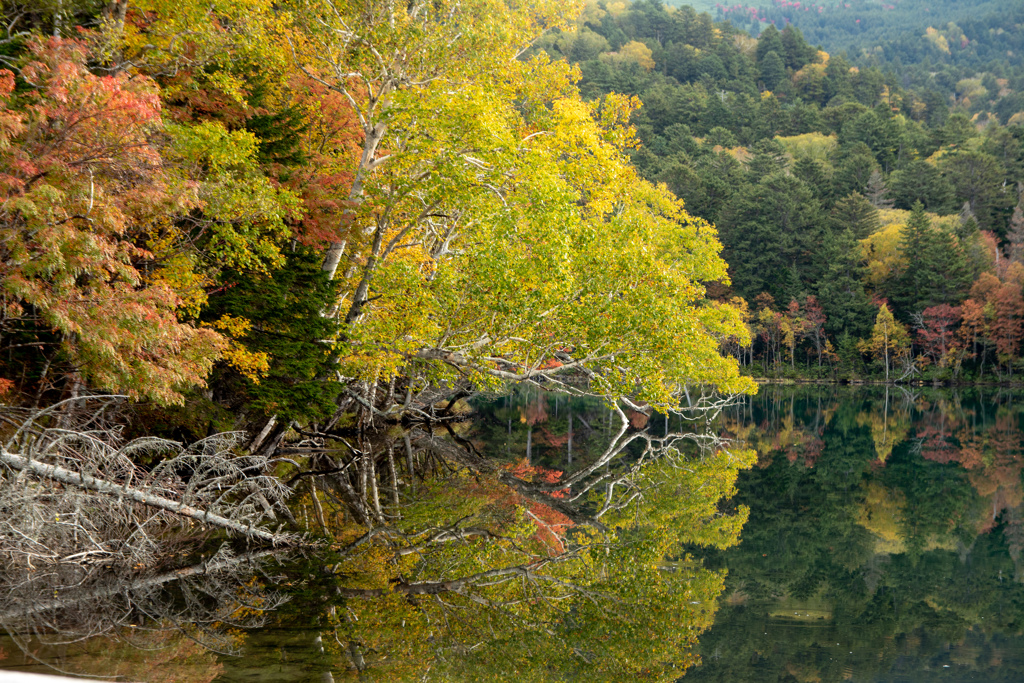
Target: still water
(883, 543)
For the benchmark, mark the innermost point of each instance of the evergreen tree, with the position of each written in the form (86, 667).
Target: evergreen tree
(796, 50)
(934, 268)
(841, 289)
(855, 213)
(948, 276)
(812, 172)
(772, 232)
(769, 41)
(906, 286)
(978, 179)
(769, 157)
(1015, 231)
(773, 71)
(920, 181)
(284, 310)
(854, 171)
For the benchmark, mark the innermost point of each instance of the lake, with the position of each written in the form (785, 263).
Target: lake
(882, 542)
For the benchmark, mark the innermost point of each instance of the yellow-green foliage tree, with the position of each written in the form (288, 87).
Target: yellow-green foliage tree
(496, 230)
(889, 340)
(483, 221)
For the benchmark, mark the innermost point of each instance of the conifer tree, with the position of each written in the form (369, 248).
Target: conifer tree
(283, 309)
(934, 268)
(946, 271)
(907, 284)
(841, 289)
(770, 40)
(854, 213)
(773, 71)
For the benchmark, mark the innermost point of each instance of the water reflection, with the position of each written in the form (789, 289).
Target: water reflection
(556, 538)
(884, 540)
(103, 622)
(456, 551)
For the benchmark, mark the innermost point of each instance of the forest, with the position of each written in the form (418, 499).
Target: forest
(871, 219)
(261, 261)
(255, 258)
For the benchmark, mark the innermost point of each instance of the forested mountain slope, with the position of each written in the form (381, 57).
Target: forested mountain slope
(859, 25)
(840, 194)
(967, 53)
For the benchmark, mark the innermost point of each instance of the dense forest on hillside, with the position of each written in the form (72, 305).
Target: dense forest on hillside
(862, 221)
(859, 26)
(969, 55)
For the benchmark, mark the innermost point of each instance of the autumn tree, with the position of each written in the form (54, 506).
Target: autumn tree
(494, 220)
(889, 339)
(936, 332)
(106, 229)
(814, 325)
(993, 317)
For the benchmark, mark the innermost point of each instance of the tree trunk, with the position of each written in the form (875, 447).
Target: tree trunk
(374, 134)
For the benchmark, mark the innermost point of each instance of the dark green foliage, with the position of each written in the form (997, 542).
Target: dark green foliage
(773, 70)
(879, 131)
(934, 268)
(769, 157)
(980, 180)
(278, 131)
(840, 289)
(773, 230)
(854, 171)
(770, 40)
(287, 322)
(705, 186)
(856, 214)
(919, 181)
(796, 50)
(812, 173)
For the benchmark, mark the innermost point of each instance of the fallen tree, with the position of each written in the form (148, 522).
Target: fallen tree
(72, 490)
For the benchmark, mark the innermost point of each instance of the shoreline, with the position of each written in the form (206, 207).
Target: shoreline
(947, 384)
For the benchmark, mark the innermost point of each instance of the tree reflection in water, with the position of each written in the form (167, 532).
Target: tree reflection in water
(449, 558)
(87, 620)
(464, 566)
(884, 543)
(884, 540)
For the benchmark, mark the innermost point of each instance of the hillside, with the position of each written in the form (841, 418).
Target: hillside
(845, 192)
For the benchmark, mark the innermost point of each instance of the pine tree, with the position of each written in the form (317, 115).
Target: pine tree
(284, 312)
(907, 286)
(854, 213)
(813, 173)
(773, 71)
(946, 273)
(841, 289)
(770, 40)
